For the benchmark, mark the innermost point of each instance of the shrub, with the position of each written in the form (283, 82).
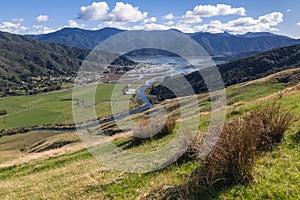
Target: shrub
(146, 130)
(3, 112)
(240, 141)
(274, 120)
(233, 156)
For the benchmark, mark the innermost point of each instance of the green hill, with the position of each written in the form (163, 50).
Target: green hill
(22, 58)
(239, 71)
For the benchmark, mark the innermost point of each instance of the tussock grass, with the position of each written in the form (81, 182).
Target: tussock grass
(241, 141)
(146, 130)
(274, 121)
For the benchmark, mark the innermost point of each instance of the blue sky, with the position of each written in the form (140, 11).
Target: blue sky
(234, 16)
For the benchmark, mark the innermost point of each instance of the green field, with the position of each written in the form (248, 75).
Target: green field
(48, 108)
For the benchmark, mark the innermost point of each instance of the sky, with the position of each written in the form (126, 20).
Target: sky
(215, 16)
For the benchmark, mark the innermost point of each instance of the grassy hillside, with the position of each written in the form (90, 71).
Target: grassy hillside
(78, 175)
(22, 58)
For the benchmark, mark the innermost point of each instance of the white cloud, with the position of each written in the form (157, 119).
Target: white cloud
(150, 20)
(19, 20)
(40, 29)
(42, 18)
(119, 25)
(219, 9)
(243, 25)
(298, 23)
(190, 18)
(271, 19)
(95, 11)
(73, 24)
(186, 28)
(154, 26)
(170, 23)
(11, 27)
(169, 16)
(288, 10)
(151, 27)
(202, 11)
(126, 13)
(121, 13)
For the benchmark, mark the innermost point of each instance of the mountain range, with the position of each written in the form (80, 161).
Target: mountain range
(221, 45)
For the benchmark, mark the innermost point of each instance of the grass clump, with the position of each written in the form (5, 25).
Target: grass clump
(274, 121)
(241, 141)
(147, 131)
(233, 157)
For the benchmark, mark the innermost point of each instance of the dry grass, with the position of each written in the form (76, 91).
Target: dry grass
(234, 155)
(241, 141)
(146, 130)
(274, 121)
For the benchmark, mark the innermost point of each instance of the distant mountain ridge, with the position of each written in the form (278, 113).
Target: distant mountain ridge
(220, 44)
(75, 37)
(229, 45)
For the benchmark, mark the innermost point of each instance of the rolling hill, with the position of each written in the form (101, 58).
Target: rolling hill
(22, 58)
(239, 71)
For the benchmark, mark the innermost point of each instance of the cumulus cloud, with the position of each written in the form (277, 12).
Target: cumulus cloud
(169, 16)
(170, 23)
(95, 11)
(120, 13)
(298, 23)
(150, 20)
(119, 25)
(11, 27)
(73, 24)
(42, 18)
(151, 27)
(245, 24)
(40, 29)
(219, 9)
(242, 25)
(190, 18)
(19, 20)
(201, 11)
(126, 13)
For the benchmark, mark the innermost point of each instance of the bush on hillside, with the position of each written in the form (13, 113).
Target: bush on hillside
(241, 141)
(274, 120)
(146, 130)
(3, 112)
